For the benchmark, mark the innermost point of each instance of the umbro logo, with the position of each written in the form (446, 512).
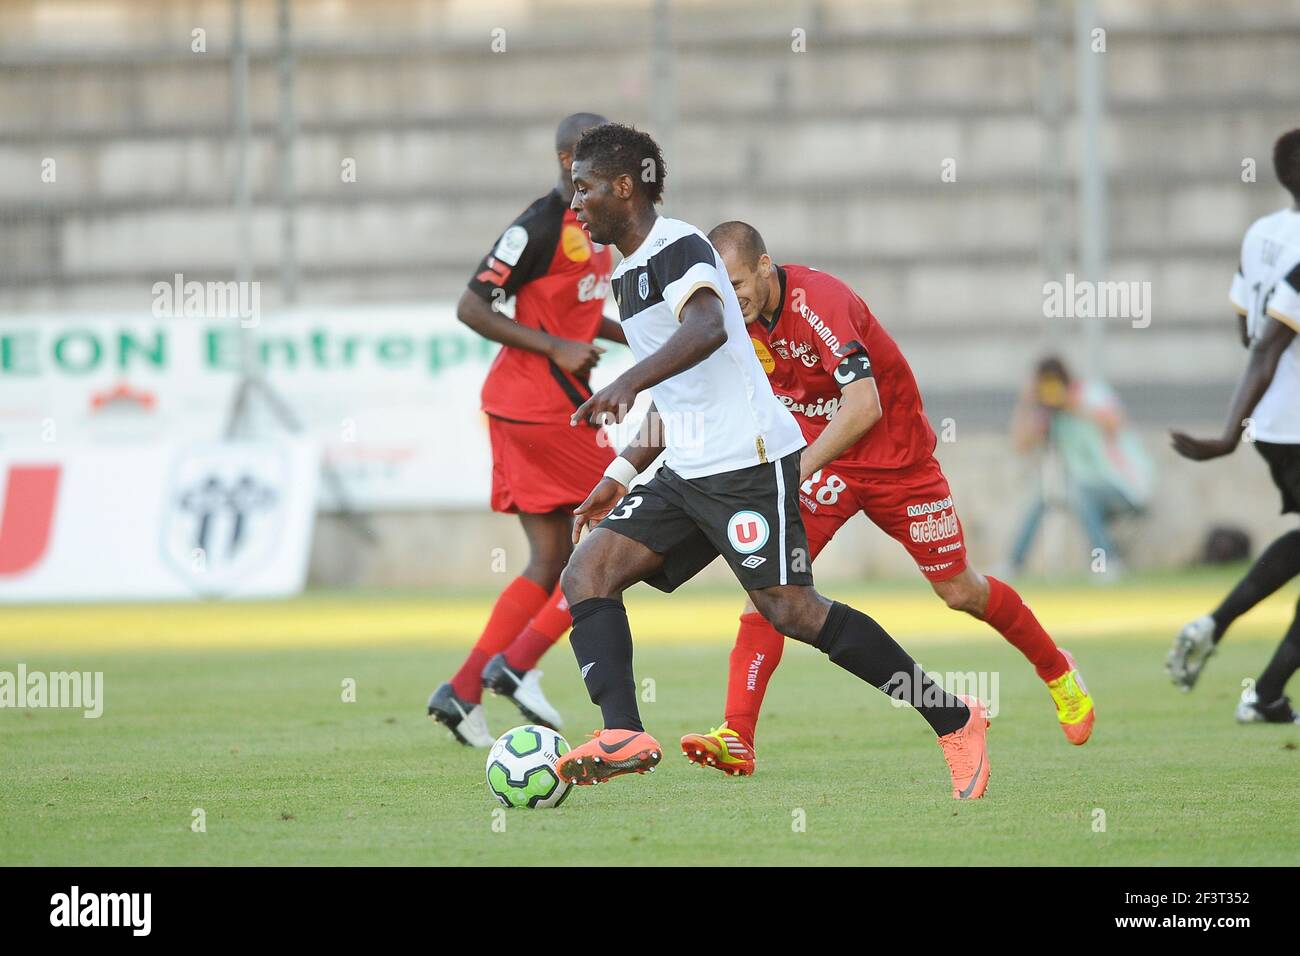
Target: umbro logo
(587, 667)
(753, 561)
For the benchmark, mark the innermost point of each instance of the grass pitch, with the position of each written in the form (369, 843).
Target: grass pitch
(238, 711)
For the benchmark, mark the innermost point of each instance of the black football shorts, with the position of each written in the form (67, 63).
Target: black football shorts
(1284, 466)
(750, 516)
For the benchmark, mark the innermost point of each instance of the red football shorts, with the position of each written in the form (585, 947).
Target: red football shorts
(913, 506)
(539, 468)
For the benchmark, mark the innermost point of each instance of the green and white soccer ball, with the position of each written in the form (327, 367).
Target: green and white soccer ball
(521, 768)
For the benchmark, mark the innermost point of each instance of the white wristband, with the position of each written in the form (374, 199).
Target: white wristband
(622, 471)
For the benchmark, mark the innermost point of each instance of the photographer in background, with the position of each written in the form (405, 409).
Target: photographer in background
(1107, 474)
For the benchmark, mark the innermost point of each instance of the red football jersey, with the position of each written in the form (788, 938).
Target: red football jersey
(824, 334)
(559, 279)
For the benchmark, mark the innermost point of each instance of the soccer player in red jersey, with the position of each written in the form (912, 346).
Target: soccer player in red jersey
(870, 450)
(541, 467)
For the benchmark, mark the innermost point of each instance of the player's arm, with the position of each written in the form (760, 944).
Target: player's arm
(1239, 296)
(611, 331)
(1265, 353)
(522, 253)
(858, 412)
(701, 333)
(575, 357)
(633, 460)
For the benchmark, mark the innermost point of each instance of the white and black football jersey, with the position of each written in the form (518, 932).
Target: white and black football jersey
(720, 415)
(1266, 289)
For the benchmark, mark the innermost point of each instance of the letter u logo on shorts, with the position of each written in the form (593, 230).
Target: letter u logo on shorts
(747, 531)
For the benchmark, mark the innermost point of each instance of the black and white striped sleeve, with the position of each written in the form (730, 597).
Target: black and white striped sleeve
(1284, 303)
(683, 267)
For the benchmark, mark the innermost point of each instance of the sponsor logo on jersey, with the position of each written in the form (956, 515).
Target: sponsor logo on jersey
(822, 408)
(593, 286)
(820, 328)
(574, 243)
(747, 531)
(764, 356)
(511, 245)
(803, 352)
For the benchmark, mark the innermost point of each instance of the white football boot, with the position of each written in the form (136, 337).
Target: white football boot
(466, 721)
(524, 689)
(1250, 711)
(1192, 648)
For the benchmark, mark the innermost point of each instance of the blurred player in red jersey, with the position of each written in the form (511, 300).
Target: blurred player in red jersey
(541, 467)
(870, 450)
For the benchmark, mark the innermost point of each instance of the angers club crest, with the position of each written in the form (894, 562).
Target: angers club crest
(225, 514)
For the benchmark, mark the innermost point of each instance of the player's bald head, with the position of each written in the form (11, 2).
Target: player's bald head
(572, 127)
(739, 240)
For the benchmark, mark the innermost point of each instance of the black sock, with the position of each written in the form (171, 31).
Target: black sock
(860, 645)
(602, 642)
(1286, 661)
(1279, 563)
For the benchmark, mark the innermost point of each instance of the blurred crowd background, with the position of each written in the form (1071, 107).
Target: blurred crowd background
(939, 156)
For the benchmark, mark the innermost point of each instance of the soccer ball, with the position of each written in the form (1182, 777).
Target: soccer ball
(521, 768)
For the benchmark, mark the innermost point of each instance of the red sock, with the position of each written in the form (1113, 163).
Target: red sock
(546, 627)
(753, 659)
(1010, 616)
(517, 603)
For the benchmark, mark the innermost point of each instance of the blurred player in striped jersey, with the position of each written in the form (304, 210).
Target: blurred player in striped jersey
(1266, 296)
(870, 450)
(541, 467)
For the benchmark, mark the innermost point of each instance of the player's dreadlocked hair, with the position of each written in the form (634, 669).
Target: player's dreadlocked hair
(1286, 161)
(614, 149)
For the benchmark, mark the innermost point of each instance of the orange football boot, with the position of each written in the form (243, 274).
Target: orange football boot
(609, 753)
(967, 752)
(722, 748)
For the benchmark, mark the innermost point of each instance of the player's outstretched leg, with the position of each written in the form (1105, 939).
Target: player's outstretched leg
(1000, 606)
(513, 673)
(730, 747)
(1266, 702)
(1198, 639)
(855, 642)
(601, 568)
(457, 704)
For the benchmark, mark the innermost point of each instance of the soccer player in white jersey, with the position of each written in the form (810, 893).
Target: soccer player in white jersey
(729, 484)
(1266, 295)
